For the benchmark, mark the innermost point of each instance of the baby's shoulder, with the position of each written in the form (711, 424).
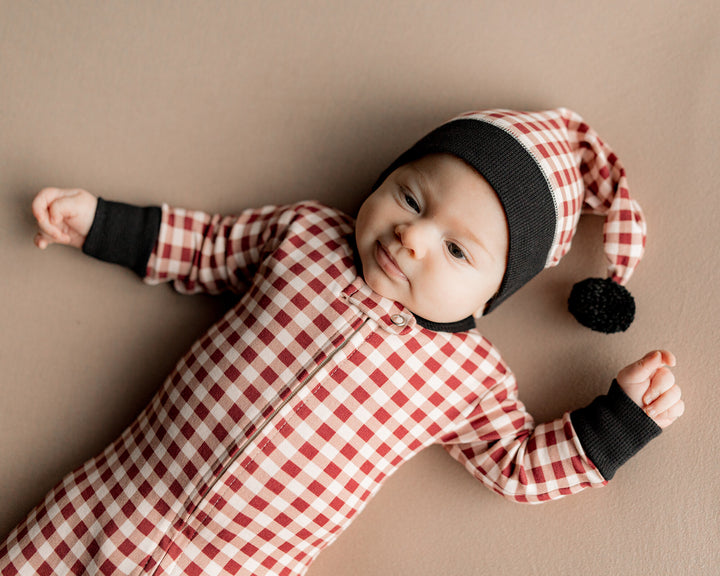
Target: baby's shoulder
(484, 355)
(320, 217)
(310, 207)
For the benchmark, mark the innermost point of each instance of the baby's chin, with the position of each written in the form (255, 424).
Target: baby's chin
(435, 314)
(402, 294)
(441, 319)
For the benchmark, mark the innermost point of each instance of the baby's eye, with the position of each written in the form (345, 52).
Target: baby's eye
(411, 202)
(455, 251)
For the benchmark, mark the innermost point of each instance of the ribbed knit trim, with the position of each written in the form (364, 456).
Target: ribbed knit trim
(517, 180)
(612, 429)
(459, 326)
(123, 234)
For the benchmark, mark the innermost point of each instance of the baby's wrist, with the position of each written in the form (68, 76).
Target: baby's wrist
(612, 429)
(123, 234)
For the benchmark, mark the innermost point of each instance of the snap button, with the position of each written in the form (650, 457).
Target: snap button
(398, 320)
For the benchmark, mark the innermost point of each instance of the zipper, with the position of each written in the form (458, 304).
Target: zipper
(261, 428)
(272, 416)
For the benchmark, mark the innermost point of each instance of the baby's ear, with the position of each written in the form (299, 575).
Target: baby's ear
(481, 312)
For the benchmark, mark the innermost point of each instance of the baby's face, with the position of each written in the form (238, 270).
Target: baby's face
(434, 238)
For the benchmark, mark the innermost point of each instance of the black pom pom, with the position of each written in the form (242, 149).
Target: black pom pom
(602, 305)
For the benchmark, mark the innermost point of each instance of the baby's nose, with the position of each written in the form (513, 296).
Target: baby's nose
(414, 238)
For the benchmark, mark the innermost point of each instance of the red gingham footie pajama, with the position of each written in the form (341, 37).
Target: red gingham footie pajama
(284, 419)
(287, 416)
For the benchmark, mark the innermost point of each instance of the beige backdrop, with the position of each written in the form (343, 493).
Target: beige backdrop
(220, 105)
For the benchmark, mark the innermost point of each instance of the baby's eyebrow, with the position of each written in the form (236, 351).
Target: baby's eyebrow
(420, 176)
(466, 232)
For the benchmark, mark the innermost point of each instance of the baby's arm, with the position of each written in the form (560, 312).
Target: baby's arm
(197, 252)
(63, 216)
(501, 445)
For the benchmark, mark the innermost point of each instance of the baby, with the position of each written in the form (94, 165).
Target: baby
(352, 347)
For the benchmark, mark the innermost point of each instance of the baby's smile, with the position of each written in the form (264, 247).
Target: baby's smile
(388, 263)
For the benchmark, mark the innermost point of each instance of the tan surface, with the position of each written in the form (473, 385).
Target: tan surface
(225, 104)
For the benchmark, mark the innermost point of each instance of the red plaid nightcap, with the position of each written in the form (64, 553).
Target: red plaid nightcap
(547, 168)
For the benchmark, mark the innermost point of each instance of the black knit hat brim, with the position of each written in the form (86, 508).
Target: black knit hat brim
(517, 179)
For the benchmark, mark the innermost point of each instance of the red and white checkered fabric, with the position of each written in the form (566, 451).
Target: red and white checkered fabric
(284, 419)
(585, 176)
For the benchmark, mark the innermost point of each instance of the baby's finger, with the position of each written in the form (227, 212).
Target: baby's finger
(42, 207)
(56, 233)
(42, 201)
(664, 402)
(670, 415)
(49, 231)
(660, 383)
(61, 211)
(42, 241)
(641, 370)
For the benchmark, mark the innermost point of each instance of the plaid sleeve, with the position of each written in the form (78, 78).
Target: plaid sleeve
(501, 446)
(200, 252)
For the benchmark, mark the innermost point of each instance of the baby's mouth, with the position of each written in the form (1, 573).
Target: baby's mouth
(388, 263)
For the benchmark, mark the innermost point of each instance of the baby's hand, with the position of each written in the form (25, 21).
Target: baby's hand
(63, 216)
(651, 385)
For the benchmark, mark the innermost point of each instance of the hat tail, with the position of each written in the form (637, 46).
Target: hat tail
(607, 194)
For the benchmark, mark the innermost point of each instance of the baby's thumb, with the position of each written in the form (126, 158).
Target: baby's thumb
(640, 371)
(43, 240)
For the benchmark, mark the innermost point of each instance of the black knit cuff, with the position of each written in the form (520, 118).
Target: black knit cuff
(612, 429)
(123, 234)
